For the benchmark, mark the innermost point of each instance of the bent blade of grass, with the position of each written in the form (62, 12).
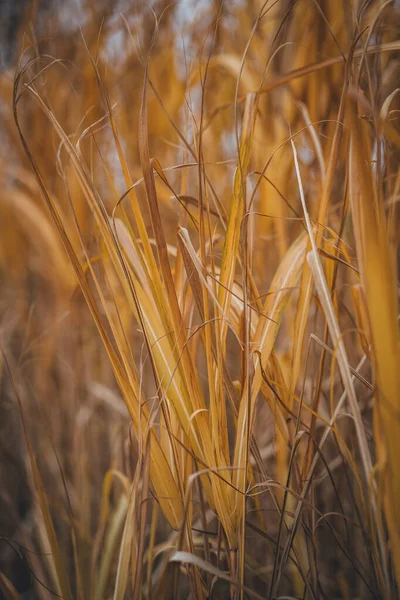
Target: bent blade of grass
(285, 279)
(229, 262)
(169, 369)
(324, 294)
(328, 175)
(201, 436)
(164, 483)
(314, 262)
(198, 278)
(172, 313)
(180, 358)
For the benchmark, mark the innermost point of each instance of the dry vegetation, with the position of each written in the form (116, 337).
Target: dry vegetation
(200, 374)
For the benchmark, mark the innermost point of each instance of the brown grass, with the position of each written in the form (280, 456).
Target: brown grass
(199, 335)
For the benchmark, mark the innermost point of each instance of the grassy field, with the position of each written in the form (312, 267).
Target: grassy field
(200, 359)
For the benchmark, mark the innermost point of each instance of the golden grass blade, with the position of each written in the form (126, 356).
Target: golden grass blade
(232, 237)
(380, 296)
(131, 547)
(306, 285)
(172, 313)
(162, 477)
(127, 546)
(108, 238)
(198, 277)
(110, 546)
(286, 278)
(314, 262)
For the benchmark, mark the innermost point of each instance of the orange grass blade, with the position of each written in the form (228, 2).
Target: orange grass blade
(286, 278)
(380, 295)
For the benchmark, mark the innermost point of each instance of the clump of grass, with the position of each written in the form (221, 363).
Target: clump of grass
(200, 333)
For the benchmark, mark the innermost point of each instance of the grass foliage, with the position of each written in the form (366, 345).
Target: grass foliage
(199, 315)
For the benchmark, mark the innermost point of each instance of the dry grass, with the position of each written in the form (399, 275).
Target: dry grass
(199, 336)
